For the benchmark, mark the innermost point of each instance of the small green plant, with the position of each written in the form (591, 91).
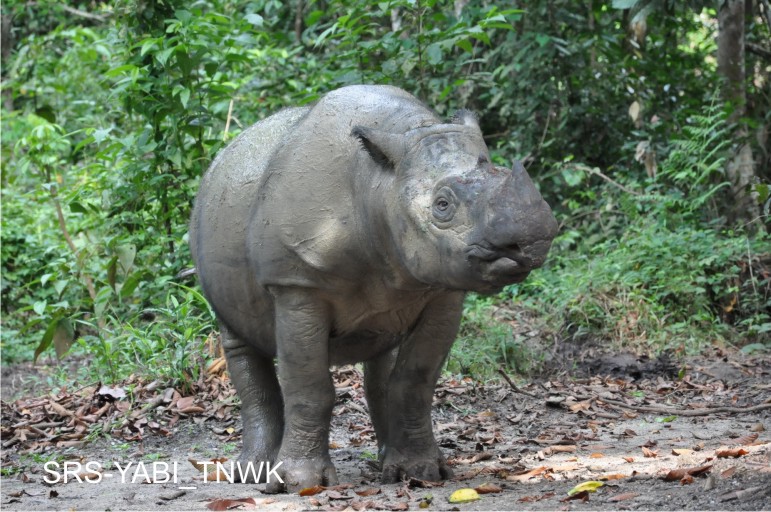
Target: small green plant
(486, 341)
(367, 455)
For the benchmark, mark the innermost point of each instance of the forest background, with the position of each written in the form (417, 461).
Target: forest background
(645, 124)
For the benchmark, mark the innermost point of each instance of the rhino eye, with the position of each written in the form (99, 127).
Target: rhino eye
(444, 205)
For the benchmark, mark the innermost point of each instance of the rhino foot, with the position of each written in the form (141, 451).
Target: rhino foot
(302, 474)
(252, 469)
(431, 468)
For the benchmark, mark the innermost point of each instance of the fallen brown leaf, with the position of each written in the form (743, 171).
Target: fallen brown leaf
(185, 402)
(680, 473)
(731, 452)
(311, 491)
(562, 448)
(228, 504)
(596, 456)
(728, 473)
(413, 483)
(647, 452)
(523, 477)
(613, 476)
(583, 496)
(210, 469)
(370, 491)
(629, 459)
(623, 497)
(111, 394)
(487, 488)
(335, 495)
(748, 439)
(532, 499)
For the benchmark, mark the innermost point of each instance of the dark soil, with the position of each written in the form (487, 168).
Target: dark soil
(627, 422)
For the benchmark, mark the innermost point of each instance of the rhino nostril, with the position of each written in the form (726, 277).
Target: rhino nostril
(512, 248)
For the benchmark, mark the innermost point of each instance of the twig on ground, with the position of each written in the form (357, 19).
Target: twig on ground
(514, 386)
(685, 412)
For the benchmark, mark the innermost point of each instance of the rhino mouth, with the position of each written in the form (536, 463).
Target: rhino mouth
(500, 264)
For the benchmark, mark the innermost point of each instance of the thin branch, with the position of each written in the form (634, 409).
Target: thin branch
(592, 170)
(514, 386)
(227, 123)
(71, 244)
(686, 412)
(759, 51)
(84, 14)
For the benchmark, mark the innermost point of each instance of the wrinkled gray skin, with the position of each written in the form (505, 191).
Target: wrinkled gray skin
(349, 231)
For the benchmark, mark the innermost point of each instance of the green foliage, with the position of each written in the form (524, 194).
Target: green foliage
(656, 276)
(655, 289)
(487, 341)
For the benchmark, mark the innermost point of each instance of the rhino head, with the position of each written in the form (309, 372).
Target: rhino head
(456, 220)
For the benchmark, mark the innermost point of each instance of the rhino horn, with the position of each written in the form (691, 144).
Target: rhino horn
(387, 149)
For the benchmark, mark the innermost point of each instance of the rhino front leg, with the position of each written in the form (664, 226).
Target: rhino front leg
(262, 414)
(302, 343)
(409, 449)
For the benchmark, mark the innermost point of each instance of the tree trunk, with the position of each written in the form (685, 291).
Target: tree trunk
(6, 45)
(730, 65)
(298, 20)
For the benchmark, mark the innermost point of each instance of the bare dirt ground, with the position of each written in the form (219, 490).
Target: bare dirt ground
(657, 436)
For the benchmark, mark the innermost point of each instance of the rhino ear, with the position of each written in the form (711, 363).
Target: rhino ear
(387, 149)
(465, 117)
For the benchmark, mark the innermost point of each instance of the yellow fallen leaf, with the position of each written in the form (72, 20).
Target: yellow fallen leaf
(464, 496)
(590, 486)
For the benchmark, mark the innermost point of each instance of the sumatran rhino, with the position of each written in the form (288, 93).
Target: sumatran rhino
(349, 231)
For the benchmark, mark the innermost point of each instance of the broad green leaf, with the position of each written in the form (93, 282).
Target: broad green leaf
(129, 286)
(64, 336)
(102, 300)
(465, 45)
(147, 45)
(39, 307)
(60, 285)
(434, 54)
(184, 97)
(126, 254)
(255, 19)
(624, 4)
(101, 134)
(163, 55)
(313, 17)
(48, 337)
(542, 39)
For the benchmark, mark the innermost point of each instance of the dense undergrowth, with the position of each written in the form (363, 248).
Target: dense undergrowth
(109, 120)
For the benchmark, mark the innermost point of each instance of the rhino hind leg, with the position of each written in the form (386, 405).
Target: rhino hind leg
(262, 409)
(377, 372)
